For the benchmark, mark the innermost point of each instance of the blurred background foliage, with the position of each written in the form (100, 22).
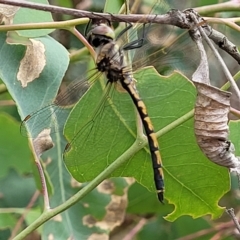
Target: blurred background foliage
(19, 182)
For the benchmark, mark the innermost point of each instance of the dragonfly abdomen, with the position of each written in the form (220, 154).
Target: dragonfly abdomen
(129, 86)
(111, 60)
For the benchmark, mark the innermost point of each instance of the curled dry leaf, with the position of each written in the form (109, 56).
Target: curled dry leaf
(43, 142)
(115, 210)
(211, 114)
(32, 63)
(7, 13)
(211, 125)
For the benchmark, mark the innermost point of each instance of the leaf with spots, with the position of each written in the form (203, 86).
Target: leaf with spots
(189, 176)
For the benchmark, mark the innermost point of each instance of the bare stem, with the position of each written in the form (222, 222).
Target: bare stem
(204, 10)
(205, 232)
(235, 112)
(135, 230)
(220, 7)
(42, 177)
(7, 103)
(227, 85)
(75, 32)
(92, 15)
(220, 60)
(230, 22)
(234, 218)
(21, 219)
(45, 25)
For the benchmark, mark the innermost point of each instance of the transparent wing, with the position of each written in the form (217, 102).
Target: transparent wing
(167, 48)
(100, 131)
(53, 116)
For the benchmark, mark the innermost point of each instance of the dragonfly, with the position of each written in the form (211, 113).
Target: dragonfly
(111, 60)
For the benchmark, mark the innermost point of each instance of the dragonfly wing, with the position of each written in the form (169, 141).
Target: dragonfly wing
(167, 48)
(97, 139)
(54, 116)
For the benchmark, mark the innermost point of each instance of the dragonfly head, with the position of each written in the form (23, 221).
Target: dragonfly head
(100, 35)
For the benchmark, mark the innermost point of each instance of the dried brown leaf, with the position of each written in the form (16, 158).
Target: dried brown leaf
(115, 210)
(106, 187)
(211, 125)
(7, 13)
(211, 114)
(43, 142)
(32, 63)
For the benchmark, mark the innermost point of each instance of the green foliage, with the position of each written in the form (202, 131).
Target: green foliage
(25, 15)
(181, 155)
(104, 135)
(13, 144)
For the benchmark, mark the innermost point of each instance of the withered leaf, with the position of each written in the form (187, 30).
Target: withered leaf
(7, 13)
(115, 210)
(43, 142)
(211, 116)
(32, 63)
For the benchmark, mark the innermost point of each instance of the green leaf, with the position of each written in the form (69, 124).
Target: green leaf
(37, 94)
(88, 216)
(40, 91)
(189, 176)
(15, 186)
(26, 15)
(7, 220)
(234, 127)
(157, 228)
(14, 149)
(141, 201)
(113, 6)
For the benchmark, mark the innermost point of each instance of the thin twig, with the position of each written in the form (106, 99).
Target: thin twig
(230, 22)
(205, 232)
(135, 230)
(219, 58)
(231, 213)
(219, 235)
(75, 32)
(138, 144)
(7, 103)
(43, 184)
(36, 155)
(173, 17)
(205, 10)
(227, 85)
(222, 42)
(220, 7)
(92, 15)
(235, 112)
(21, 219)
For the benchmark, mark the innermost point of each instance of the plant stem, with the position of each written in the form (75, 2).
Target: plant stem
(227, 85)
(137, 146)
(44, 25)
(83, 192)
(220, 7)
(219, 59)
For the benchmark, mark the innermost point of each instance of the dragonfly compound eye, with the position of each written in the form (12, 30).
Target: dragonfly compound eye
(100, 35)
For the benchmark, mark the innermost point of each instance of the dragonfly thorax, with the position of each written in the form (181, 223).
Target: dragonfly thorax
(111, 61)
